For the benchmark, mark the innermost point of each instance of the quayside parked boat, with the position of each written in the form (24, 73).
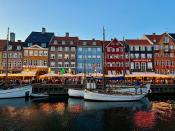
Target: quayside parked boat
(20, 91)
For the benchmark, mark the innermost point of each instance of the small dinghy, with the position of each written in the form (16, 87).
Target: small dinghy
(39, 95)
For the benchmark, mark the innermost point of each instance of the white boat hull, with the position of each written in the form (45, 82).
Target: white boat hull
(95, 96)
(76, 93)
(16, 92)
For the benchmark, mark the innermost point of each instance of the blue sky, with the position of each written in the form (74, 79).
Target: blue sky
(85, 18)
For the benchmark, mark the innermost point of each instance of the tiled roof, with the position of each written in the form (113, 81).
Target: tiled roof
(66, 39)
(137, 42)
(39, 37)
(172, 35)
(15, 44)
(2, 44)
(90, 43)
(154, 37)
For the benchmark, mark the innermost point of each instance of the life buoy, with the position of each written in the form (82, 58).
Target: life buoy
(149, 91)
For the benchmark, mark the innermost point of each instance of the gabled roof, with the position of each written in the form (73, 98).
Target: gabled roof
(154, 37)
(39, 37)
(2, 44)
(34, 46)
(172, 35)
(137, 42)
(113, 41)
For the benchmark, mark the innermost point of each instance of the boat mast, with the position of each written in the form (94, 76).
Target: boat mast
(124, 53)
(84, 64)
(103, 58)
(7, 54)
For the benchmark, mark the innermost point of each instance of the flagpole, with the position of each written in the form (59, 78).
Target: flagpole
(103, 58)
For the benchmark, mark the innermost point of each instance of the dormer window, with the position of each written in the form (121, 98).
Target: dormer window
(154, 41)
(43, 45)
(29, 44)
(94, 43)
(84, 43)
(18, 47)
(9, 47)
(63, 42)
(55, 42)
(166, 39)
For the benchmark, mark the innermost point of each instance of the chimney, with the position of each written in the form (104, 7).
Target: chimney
(12, 36)
(67, 34)
(154, 33)
(19, 41)
(43, 30)
(93, 39)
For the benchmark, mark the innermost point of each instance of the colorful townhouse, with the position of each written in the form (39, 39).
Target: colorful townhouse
(2, 45)
(164, 55)
(15, 58)
(62, 54)
(89, 56)
(117, 58)
(35, 59)
(37, 49)
(141, 55)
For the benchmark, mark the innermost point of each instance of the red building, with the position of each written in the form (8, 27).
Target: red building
(117, 58)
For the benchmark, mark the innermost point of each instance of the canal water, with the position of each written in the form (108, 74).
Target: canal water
(62, 113)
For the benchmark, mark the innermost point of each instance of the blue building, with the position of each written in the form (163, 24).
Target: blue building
(89, 56)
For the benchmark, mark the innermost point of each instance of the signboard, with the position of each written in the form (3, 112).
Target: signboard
(141, 60)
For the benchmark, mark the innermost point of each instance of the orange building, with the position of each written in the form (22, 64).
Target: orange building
(35, 58)
(164, 54)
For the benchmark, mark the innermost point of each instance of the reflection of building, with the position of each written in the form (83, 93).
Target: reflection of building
(35, 58)
(117, 57)
(92, 50)
(14, 56)
(62, 53)
(141, 55)
(2, 45)
(163, 53)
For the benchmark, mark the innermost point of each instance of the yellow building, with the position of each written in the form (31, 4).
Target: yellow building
(35, 58)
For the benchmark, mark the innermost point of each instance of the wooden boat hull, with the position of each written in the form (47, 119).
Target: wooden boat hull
(16, 92)
(95, 96)
(76, 93)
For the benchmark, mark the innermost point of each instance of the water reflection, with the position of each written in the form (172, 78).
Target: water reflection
(77, 114)
(78, 105)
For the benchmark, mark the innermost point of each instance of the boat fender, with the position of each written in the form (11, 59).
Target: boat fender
(27, 94)
(149, 91)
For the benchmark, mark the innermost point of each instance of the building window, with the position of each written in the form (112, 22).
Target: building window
(45, 62)
(113, 49)
(142, 55)
(40, 53)
(52, 48)
(29, 44)
(9, 47)
(52, 56)
(25, 52)
(72, 48)
(72, 64)
(149, 55)
(43, 45)
(94, 43)
(117, 49)
(108, 49)
(171, 47)
(18, 47)
(63, 42)
(136, 48)
(52, 64)
(136, 55)
(80, 49)
(31, 53)
(66, 49)
(59, 64)
(137, 65)
(84, 43)
(25, 62)
(66, 56)
(45, 53)
(99, 50)
(98, 56)
(89, 49)
(71, 42)
(66, 64)
(35, 53)
(142, 48)
(72, 56)
(59, 48)
(171, 55)
(35, 62)
(59, 56)
(156, 47)
(131, 48)
(166, 39)
(149, 48)
(15, 55)
(55, 42)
